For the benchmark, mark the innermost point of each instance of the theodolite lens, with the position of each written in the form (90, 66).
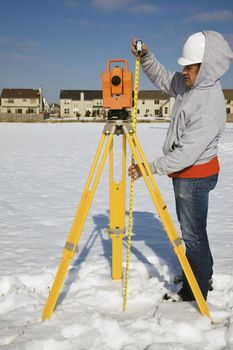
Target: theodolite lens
(116, 80)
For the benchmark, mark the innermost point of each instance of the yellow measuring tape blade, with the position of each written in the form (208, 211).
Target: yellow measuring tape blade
(136, 84)
(130, 226)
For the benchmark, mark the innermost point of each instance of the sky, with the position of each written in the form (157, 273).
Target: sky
(65, 44)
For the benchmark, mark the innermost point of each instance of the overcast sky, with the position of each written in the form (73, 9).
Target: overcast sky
(65, 44)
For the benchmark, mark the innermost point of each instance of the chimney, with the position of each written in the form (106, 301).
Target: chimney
(82, 104)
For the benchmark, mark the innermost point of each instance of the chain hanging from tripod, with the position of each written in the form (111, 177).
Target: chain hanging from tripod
(130, 225)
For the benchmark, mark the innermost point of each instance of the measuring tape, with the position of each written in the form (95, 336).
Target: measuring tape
(136, 84)
(130, 226)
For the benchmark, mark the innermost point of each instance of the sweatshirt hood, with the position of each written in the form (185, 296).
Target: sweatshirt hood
(216, 59)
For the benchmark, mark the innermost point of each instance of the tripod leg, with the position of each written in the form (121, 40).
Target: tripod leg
(77, 226)
(117, 211)
(166, 219)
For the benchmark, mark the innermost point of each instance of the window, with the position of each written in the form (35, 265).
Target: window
(67, 111)
(10, 101)
(147, 111)
(156, 111)
(19, 111)
(98, 103)
(166, 110)
(30, 110)
(8, 110)
(156, 102)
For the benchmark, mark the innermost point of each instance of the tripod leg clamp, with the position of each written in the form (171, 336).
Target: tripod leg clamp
(176, 242)
(71, 247)
(115, 231)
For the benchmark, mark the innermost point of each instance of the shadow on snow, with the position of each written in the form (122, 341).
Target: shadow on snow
(146, 228)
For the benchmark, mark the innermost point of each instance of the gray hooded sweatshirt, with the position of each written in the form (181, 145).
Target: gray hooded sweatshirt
(199, 113)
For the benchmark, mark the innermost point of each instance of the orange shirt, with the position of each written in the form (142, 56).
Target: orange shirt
(197, 171)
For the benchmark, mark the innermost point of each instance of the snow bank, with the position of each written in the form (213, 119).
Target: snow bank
(43, 172)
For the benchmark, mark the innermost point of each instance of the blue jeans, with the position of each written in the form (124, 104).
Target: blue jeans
(192, 198)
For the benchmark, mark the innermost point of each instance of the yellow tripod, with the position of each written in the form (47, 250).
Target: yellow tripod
(117, 212)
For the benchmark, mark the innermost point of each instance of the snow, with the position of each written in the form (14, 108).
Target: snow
(44, 168)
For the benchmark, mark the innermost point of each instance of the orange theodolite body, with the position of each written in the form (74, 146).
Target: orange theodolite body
(117, 84)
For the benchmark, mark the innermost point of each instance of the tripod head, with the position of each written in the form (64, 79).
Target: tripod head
(117, 84)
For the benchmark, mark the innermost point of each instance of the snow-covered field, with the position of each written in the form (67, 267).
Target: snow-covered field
(44, 168)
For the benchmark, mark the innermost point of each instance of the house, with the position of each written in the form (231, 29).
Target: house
(21, 101)
(75, 103)
(228, 95)
(89, 102)
(151, 103)
(54, 109)
(154, 103)
(46, 106)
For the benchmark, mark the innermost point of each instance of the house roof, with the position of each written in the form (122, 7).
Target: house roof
(97, 94)
(228, 94)
(157, 94)
(75, 94)
(153, 95)
(54, 105)
(20, 93)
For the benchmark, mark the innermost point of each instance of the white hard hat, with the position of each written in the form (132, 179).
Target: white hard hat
(193, 50)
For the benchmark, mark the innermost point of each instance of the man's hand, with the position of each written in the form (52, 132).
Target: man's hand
(134, 172)
(145, 48)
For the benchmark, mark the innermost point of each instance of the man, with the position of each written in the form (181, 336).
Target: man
(190, 148)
